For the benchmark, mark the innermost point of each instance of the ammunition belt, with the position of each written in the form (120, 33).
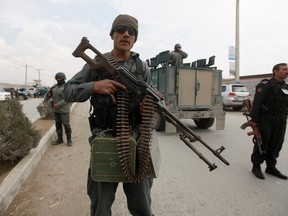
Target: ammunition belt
(123, 132)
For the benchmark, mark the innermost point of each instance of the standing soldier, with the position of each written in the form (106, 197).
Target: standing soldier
(268, 116)
(61, 109)
(102, 92)
(177, 56)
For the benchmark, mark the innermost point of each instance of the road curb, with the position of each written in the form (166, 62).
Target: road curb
(18, 175)
(15, 179)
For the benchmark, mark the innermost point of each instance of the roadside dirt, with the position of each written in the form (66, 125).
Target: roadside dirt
(43, 126)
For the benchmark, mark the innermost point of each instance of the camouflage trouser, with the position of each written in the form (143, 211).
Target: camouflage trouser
(62, 119)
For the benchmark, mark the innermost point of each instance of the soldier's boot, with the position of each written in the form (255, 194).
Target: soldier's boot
(272, 170)
(69, 140)
(59, 140)
(256, 170)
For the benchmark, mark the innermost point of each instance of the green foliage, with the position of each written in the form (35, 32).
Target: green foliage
(45, 110)
(17, 136)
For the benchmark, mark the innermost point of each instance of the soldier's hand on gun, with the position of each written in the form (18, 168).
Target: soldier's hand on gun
(56, 106)
(107, 87)
(255, 128)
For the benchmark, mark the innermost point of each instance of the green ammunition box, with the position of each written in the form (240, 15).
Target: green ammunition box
(105, 162)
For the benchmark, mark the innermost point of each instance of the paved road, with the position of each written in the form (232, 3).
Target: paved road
(185, 187)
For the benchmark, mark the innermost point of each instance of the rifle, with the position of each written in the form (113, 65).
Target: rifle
(141, 88)
(257, 136)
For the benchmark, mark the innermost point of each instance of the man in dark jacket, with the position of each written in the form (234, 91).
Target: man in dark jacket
(268, 117)
(61, 109)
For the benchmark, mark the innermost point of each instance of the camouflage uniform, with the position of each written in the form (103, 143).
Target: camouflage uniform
(62, 114)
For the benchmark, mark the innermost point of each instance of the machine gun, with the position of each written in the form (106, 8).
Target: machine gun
(140, 88)
(256, 134)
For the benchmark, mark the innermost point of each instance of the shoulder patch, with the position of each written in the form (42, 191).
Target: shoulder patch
(264, 81)
(259, 89)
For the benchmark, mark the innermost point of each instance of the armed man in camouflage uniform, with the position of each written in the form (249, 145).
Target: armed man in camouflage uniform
(61, 109)
(177, 56)
(98, 87)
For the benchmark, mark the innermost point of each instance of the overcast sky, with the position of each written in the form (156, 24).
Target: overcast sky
(42, 34)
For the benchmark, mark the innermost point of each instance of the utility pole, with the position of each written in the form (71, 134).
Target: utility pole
(237, 55)
(38, 69)
(26, 66)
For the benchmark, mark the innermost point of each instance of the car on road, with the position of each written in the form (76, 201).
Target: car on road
(32, 91)
(234, 95)
(42, 91)
(22, 95)
(4, 95)
(26, 91)
(17, 94)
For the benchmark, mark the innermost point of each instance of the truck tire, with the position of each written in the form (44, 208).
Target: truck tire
(21, 97)
(160, 123)
(204, 123)
(237, 108)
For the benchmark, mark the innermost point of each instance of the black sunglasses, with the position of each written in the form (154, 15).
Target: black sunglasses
(123, 29)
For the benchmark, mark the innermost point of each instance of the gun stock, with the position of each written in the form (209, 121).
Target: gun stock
(257, 137)
(134, 85)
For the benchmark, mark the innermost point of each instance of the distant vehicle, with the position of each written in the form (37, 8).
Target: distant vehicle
(4, 95)
(11, 90)
(26, 91)
(33, 91)
(233, 95)
(21, 95)
(42, 91)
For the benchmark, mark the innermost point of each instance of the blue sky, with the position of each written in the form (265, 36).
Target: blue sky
(44, 33)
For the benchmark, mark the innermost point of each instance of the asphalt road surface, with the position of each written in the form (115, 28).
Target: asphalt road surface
(185, 186)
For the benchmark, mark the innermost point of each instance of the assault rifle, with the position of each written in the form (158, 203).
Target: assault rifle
(140, 88)
(256, 134)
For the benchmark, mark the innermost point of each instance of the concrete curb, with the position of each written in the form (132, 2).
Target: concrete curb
(16, 178)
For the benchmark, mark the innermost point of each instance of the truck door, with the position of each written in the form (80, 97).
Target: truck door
(194, 88)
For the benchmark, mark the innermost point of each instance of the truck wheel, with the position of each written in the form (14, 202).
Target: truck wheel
(237, 108)
(204, 123)
(160, 123)
(20, 97)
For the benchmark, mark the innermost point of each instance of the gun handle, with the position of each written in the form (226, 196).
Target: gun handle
(80, 52)
(250, 133)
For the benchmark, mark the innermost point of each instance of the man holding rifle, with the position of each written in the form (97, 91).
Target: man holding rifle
(268, 118)
(98, 86)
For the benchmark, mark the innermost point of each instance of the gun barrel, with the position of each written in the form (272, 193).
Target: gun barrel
(188, 133)
(133, 84)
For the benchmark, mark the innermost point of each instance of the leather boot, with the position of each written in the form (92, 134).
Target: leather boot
(69, 140)
(272, 170)
(58, 141)
(256, 170)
